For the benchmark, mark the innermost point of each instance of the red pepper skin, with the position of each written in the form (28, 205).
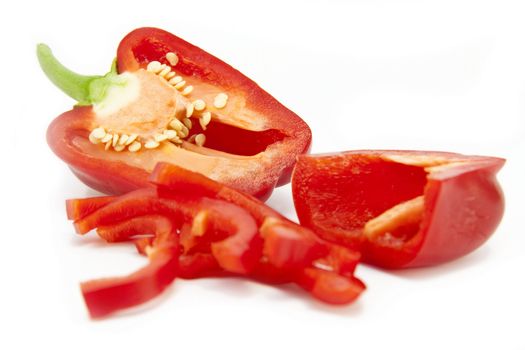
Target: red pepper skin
(284, 131)
(336, 194)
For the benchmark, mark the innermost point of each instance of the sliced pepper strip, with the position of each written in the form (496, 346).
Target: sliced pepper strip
(78, 208)
(330, 287)
(105, 296)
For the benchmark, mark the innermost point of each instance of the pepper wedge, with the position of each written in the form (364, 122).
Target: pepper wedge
(400, 208)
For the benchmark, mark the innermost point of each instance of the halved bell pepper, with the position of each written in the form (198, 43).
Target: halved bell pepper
(400, 208)
(167, 100)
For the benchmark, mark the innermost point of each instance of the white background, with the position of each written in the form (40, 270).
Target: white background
(442, 75)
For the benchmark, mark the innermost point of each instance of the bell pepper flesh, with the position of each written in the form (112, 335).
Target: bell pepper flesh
(400, 208)
(251, 144)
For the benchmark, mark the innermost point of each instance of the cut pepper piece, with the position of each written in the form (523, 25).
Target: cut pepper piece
(331, 287)
(78, 208)
(105, 296)
(290, 246)
(400, 208)
(167, 100)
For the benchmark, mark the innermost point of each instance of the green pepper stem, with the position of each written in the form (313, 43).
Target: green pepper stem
(74, 85)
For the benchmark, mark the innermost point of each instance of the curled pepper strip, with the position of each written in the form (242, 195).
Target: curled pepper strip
(236, 253)
(105, 296)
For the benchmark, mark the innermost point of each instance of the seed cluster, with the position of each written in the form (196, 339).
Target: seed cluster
(120, 142)
(178, 129)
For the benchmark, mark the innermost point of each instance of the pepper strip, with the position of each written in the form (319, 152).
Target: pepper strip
(105, 296)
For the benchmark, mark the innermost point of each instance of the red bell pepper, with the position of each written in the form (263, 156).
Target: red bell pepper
(400, 208)
(211, 230)
(167, 100)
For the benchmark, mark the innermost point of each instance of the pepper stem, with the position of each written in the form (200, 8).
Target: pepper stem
(74, 85)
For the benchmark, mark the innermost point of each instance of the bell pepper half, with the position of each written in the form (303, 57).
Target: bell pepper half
(400, 208)
(190, 226)
(166, 100)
